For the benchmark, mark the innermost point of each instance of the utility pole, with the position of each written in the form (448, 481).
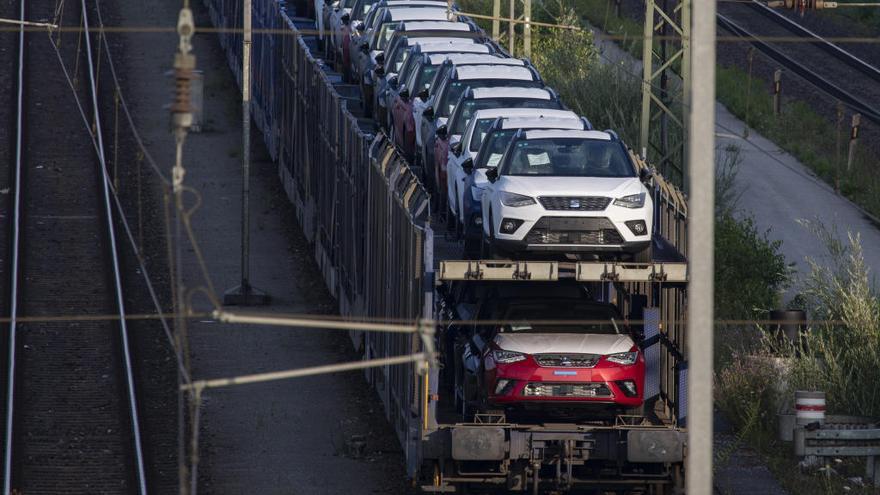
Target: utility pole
(701, 252)
(245, 294)
(669, 18)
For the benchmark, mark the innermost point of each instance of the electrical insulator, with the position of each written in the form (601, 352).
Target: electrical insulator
(184, 64)
(802, 6)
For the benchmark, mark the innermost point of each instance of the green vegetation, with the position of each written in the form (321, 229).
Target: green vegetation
(812, 139)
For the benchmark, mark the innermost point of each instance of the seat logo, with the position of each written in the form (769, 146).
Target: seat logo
(574, 203)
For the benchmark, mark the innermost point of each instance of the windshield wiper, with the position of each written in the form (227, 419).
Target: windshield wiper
(616, 330)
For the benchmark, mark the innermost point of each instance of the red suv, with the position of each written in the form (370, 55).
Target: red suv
(539, 355)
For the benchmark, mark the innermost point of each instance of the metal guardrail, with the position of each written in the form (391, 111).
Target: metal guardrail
(842, 440)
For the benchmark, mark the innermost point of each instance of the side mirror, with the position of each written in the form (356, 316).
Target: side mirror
(645, 174)
(365, 47)
(456, 148)
(492, 174)
(346, 18)
(360, 26)
(380, 58)
(442, 131)
(423, 94)
(392, 81)
(404, 94)
(379, 71)
(468, 166)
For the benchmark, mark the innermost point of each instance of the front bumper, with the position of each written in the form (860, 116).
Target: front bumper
(571, 234)
(527, 374)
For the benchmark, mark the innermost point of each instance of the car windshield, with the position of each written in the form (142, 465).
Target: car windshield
(346, 4)
(481, 127)
(491, 154)
(568, 157)
(400, 56)
(455, 89)
(466, 109)
(384, 33)
(545, 318)
(426, 75)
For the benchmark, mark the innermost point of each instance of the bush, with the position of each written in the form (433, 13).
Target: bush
(746, 391)
(842, 355)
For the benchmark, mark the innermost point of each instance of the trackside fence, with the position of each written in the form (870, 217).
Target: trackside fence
(356, 199)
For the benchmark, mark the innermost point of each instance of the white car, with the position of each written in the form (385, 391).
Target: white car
(467, 170)
(567, 192)
(465, 146)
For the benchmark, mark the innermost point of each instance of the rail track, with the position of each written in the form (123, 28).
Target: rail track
(70, 408)
(841, 75)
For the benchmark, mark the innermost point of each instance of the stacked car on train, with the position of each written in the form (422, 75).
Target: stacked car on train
(517, 176)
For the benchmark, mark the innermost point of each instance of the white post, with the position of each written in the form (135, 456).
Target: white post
(701, 160)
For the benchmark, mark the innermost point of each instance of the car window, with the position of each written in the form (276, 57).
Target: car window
(567, 157)
(468, 108)
(383, 34)
(346, 4)
(541, 318)
(424, 79)
(493, 151)
(481, 127)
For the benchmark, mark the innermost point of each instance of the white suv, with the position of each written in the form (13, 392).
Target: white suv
(466, 145)
(567, 192)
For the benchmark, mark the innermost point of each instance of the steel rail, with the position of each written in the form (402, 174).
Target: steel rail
(13, 294)
(123, 326)
(816, 80)
(817, 40)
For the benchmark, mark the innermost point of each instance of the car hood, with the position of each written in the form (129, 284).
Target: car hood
(538, 343)
(572, 186)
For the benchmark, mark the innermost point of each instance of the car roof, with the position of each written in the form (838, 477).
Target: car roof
(439, 40)
(469, 72)
(456, 47)
(534, 113)
(550, 134)
(410, 3)
(434, 25)
(417, 14)
(477, 59)
(542, 122)
(511, 92)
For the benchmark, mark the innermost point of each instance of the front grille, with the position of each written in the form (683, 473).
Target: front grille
(588, 389)
(573, 230)
(574, 203)
(567, 360)
(596, 237)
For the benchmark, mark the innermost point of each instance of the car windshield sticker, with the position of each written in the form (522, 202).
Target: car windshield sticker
(494, 158)
(538, 159)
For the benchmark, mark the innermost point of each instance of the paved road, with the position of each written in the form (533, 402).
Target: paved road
(780, 192)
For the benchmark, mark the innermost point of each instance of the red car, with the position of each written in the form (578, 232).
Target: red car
(530, 360)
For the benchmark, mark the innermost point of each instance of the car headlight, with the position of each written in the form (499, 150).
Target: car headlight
(631, 201)
(623, 357)
(477, 193)
(507, 357)
(516, 200)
